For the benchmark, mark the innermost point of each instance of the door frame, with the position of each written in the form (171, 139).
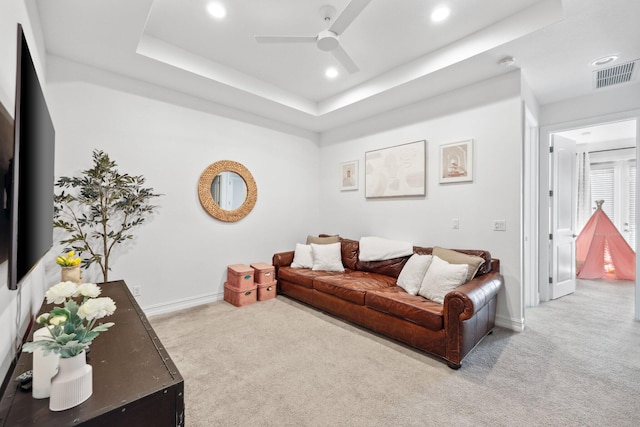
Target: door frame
(531, 191)
(544, 258)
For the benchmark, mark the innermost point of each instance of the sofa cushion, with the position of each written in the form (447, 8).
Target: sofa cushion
(396, 302)
(455, 257)
(442, 277)
(389, 267)
(410, 278)
(302, 257)
(302, 276)
(350, 250)
(322, 240)
(327, 257)
(352, 286)
(485, 255)
(374, 248)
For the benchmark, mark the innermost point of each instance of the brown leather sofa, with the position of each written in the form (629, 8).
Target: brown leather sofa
(366, 294)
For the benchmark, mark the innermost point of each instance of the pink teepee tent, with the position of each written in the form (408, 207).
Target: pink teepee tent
(602, 251)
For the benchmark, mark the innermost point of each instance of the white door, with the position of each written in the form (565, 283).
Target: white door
(564, 182)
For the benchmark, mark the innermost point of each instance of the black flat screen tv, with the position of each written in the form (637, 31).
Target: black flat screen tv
(30, 197)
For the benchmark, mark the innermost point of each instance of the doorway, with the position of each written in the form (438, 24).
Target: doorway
(606, 157)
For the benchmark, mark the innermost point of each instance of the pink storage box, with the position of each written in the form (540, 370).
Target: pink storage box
(240, 276)
(263, 272)
(239, 297)
(266, 291)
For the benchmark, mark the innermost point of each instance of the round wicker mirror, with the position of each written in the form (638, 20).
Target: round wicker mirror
(206, 190)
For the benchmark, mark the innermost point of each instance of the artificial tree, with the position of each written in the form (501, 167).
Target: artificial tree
(100, 209)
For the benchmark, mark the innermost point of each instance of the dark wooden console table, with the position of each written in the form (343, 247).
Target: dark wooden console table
(135, 382)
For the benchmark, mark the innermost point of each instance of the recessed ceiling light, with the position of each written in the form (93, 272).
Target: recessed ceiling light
(217, 10)
(604, 60)
(440, 14)
(331, 73)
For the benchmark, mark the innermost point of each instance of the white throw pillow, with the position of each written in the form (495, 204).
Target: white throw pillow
(302, 258)
(442, 277)
(410, 278)
(327, 257)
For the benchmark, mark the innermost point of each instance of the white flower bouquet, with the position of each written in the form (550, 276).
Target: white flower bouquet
(72, 326)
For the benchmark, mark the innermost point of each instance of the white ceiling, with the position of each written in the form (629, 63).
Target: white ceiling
(403, 57)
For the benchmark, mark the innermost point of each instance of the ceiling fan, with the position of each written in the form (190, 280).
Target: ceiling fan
(328, 40)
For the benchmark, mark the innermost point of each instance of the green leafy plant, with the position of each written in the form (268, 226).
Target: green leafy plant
(72, 326)
(100, 209)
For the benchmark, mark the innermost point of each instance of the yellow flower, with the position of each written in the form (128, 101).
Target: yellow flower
(68, 260)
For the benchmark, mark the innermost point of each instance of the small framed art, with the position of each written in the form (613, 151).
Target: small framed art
(456, 162)
(349, 175)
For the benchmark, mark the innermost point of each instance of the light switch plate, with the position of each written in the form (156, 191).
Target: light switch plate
(499, 225)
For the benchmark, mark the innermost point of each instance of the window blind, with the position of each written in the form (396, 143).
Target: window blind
(603, 188)
(631, 201)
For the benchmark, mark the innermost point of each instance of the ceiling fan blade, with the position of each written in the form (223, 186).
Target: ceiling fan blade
(285, 39)
(347, 16)
(344, 59)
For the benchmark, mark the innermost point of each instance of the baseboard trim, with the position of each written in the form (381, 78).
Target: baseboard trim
(510, 323)
(181, 304)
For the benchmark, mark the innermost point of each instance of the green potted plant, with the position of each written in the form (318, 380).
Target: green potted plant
(100, 209)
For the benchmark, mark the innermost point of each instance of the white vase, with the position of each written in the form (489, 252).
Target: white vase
(44, 367)
(73, 384)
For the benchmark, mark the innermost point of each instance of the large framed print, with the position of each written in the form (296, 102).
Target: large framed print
(456, 162)
(396, 171)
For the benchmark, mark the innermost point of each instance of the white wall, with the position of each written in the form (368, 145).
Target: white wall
(179, 258)
(602, 103)
(494, 122)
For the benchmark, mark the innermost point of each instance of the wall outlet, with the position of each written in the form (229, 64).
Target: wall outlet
(136, 290)
(499, 225)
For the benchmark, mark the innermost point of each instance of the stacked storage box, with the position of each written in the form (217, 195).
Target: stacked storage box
(264, 275)
(240, 288)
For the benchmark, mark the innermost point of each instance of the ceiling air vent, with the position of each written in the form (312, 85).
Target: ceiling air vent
(619, 74)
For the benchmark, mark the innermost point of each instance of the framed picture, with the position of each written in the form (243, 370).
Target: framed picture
(396, 171)
(456, 162)
(349, 175)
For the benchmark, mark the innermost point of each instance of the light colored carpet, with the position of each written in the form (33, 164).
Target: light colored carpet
(281, 363)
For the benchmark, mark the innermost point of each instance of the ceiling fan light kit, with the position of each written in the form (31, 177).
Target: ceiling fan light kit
(328, 40)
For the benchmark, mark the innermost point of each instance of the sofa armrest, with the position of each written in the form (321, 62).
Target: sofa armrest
(468, 299)
(469, 314)
(282, 259)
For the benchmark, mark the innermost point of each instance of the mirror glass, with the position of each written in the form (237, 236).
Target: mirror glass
(228, 190)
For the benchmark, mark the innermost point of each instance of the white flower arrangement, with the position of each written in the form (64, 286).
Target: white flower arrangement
(72, 326)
